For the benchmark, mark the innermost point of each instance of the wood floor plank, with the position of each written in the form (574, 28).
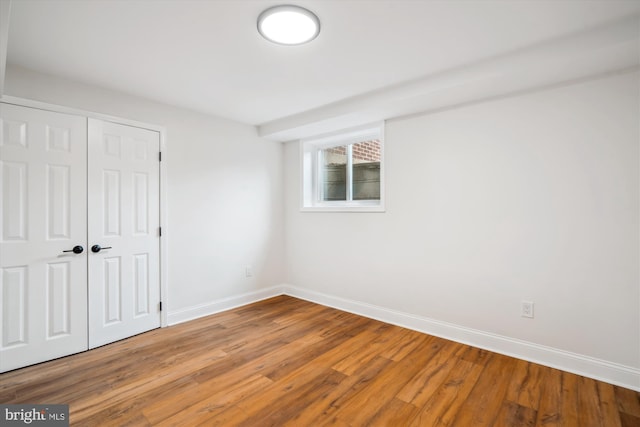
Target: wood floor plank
(285, 399)
(393, 413)
(211, 404)
(450, 397)
(589, 405)
(473, 354)
(163, 408)
(608, 405)
(550, 409)
(129, 412)
(629, 420)
(164, 377)
(513, 415)
(365, 354)
(289, 362)
(419, 389)
(405, 344)
(322, 410)
(216, 417)
(294, 405)
(363, 405)
(224, 379)
(524, 387)
(384, 387)
(569, 411)
(485, 400)
(628, 401)
(309, 352)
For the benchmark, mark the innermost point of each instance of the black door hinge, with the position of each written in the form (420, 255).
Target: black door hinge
(160, 231)
(159, 156)
(160, 305)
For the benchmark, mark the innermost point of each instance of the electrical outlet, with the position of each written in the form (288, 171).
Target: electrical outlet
(248, 271)
(527, 309)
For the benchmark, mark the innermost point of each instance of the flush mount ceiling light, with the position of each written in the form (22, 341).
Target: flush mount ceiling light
(288, 24)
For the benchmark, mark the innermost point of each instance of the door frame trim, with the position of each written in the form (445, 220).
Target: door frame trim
(164, 223)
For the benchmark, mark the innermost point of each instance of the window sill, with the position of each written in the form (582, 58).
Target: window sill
(344, 208)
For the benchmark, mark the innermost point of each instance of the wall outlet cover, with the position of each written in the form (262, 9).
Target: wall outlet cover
(527, 309)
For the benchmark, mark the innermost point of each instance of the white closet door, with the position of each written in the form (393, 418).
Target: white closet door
(124, 220)
(43, 284)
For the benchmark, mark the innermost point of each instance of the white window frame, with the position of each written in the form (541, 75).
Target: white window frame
(311, 199)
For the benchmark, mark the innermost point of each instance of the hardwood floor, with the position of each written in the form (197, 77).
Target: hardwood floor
(288, 362)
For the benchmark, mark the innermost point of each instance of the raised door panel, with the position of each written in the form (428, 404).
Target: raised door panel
(112, 291)
(14, 306)
(140, 203)
(44, 289)
(58, 296)
(141, 285)
(58, 201)
(14, 201)
(111, 203)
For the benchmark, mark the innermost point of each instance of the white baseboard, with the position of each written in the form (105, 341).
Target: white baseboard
(613, 373)
(224, 304)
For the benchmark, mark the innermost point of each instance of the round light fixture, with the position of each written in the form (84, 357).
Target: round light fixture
(288, 24)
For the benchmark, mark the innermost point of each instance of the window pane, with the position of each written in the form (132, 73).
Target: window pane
(334, 178)
(366, 170)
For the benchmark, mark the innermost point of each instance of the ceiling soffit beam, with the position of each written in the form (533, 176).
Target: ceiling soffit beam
(605, 49)
(5, 12)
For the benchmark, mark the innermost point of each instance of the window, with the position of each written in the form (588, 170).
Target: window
(344, 171)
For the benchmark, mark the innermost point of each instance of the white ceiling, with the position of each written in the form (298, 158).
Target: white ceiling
(208, 56)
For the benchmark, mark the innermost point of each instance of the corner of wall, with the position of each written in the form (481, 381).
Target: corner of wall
(223, 304)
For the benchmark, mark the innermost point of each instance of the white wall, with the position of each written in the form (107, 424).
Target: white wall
(224, 190)
(534, 197)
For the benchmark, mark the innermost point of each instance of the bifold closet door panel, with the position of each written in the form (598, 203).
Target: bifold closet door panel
(124, 241)
(43, 235)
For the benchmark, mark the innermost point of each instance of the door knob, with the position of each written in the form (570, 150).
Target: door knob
(76, 249)
(98, 248)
